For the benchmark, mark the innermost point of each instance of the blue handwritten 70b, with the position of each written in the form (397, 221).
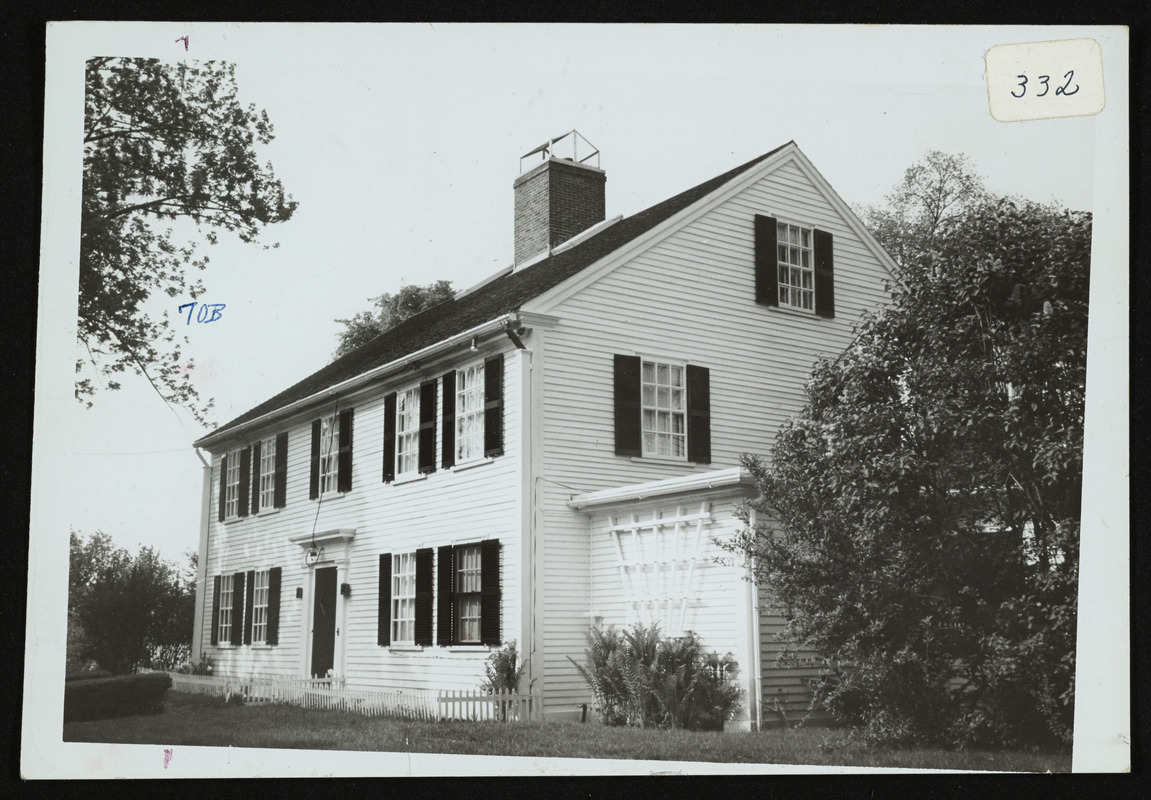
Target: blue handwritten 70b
(209, 312)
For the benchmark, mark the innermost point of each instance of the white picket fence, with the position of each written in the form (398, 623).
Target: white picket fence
(331, 694)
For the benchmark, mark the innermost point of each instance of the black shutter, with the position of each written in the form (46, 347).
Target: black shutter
(698, 414)
(427, 437)
(390, 438)
(314, 477)
(766, 261)
(245, 481)
(281, 488)
(628, 428)
(254, 501)
(448, 427)
(216, 610)
(249, 602)
(344, 462)
(273, 635)
(424, 592)
(238, 608)
(490, 592)
(223, 485)
(447, 596)
(494, 406)
(384, 615)
(824, 274)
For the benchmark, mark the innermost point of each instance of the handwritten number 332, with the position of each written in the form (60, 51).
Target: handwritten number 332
(1046, 88)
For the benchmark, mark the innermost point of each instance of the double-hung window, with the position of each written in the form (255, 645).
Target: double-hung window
(468, 594)
(408, 431)
(469, 413)
(260, 607)
(403, 598)
(664, 410)
(267, 487)
(227, 604)
(796, 276)
(232, 484)
(329, 454)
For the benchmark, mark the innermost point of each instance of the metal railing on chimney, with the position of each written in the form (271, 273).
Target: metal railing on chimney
(559, 146)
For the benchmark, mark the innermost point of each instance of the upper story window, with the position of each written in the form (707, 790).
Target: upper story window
(231, 484)
(408, 431)
(469, 413)
(403, 598)
(794, 266)
(260, 607)
(664, 410)
(267, 467)
(796, 272)
(329, 453)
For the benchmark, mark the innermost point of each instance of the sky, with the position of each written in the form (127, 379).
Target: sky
(401, 142)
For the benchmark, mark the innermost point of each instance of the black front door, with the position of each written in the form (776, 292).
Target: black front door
(324, 622)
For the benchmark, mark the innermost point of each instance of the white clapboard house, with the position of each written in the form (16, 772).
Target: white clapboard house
(555, 448)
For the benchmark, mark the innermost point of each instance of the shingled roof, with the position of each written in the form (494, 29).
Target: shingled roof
(501, 296)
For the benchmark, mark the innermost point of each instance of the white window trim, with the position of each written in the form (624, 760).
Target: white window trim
(396, 621)
(654, 456)
(478, 571)
(268, 475)
(221, 638)
(332, 458)
(411, 435)
(810, 270)
(267, 573)
(232, 500)
(477, 415)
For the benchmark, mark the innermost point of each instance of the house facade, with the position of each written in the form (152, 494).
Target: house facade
(555, 448)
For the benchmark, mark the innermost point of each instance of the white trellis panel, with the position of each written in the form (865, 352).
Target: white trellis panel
(657, 558)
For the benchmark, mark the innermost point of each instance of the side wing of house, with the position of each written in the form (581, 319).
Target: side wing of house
(671, 359)
(373, 533)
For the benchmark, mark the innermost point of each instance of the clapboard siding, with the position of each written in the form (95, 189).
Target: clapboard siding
(689, 297)
(466, 504)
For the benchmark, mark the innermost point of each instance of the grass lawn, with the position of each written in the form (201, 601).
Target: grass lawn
(200, 720)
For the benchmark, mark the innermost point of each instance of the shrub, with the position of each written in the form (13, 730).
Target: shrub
(640, 678)
(205, 666)
(119, 696)
(87, 674)
(503, 670)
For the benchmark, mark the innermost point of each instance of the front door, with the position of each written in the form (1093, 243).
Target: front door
(324, 622)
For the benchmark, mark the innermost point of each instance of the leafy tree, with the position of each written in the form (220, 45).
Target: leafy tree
(390, 310)
(123, 610)
(918, 522)
(164, 144)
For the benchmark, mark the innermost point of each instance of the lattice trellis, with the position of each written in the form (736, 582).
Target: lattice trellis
(658, 558)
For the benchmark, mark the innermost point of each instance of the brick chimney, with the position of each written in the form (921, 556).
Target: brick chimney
(559, 198)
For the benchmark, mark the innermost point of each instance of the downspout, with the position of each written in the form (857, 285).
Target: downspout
(756, 689)
(202, 559)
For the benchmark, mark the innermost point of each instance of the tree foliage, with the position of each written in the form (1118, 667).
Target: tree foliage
(918, 522)
(163, 143)
(390, 310)
(125, 610)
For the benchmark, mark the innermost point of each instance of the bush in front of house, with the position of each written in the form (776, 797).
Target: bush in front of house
(119, 696)
(640, 677)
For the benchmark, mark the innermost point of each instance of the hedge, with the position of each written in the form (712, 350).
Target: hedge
(87, 675)
(120, 696)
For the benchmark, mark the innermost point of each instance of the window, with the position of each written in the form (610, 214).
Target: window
(329, 454)
(469, 413)
(468, 588)
(227, 596)
(664, 410)
(796, 277)
(407, 431)
(267, 467)
(260, 607)
(231, 484)
(403, 598)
